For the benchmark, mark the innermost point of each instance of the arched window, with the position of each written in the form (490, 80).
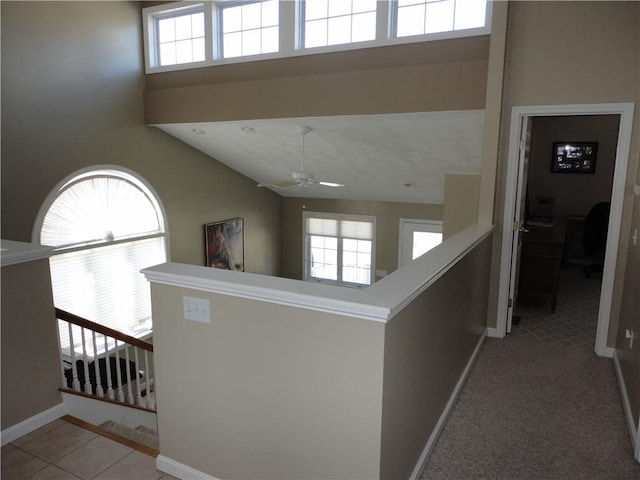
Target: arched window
(106, 224)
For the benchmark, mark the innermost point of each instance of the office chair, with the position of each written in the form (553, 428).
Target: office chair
(594, 238)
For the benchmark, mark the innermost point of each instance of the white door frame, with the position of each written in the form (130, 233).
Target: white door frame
(625, 110)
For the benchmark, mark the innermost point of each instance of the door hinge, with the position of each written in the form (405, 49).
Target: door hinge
(510, 303)
(523, 144)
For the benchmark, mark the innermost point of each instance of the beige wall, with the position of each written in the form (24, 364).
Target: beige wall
(562, 47)
(573, 194)
(388, 215)
(461, 197)
(549, 46)
(427, 347)
(30, 361)
(72, 96)
(445, 75)
(267, 391)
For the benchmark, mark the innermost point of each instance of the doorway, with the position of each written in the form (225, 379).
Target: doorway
(514, 189)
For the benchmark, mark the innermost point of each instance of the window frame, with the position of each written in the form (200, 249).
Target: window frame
(306, 252)
(97, 171)
(301, 28)
(419, 225)
(218, 8)
(290, 18)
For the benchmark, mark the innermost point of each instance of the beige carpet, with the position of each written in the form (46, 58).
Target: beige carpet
(539, 405)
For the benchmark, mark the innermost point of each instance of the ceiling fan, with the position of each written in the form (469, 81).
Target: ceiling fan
(301, 178)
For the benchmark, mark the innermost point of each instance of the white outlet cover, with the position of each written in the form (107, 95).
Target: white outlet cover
(197, 309)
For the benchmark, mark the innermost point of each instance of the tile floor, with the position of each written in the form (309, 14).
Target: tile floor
(64, 451)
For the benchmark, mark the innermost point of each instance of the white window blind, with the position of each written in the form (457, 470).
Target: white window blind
(107, 226)
(339, 248)
(361, 230)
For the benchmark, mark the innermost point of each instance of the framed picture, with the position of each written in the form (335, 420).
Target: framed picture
(224, 244)
(574, 157)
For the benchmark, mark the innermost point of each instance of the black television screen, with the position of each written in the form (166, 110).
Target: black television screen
(574, 157)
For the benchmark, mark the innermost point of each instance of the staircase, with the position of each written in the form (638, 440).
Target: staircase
(140, 438)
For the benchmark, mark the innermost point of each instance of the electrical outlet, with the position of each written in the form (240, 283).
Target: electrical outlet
(634, 238)
(197, 309)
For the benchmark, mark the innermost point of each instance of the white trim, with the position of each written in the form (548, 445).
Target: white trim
(180, 470)
(20, 252)
(339, 217)
(494, 333)
(280, 291)
(126, 174)
(625, 110)
(33, 423)
(422, 461)
(633, 430)
(97, 412)
(379, 302)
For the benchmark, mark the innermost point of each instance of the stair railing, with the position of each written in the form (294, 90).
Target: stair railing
(105, 363)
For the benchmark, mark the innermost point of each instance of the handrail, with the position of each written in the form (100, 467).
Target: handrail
(83, 322)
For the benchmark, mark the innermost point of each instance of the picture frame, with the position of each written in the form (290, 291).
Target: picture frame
(574, 157)
(224, 244)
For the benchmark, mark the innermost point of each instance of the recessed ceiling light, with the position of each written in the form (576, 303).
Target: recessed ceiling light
(197, 131)
(248, 130)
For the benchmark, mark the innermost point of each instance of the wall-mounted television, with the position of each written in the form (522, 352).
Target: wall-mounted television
(574, 157)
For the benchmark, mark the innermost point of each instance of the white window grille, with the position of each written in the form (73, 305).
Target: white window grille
(336, 22)
(339, 249)
(422, 17)
(250, 28)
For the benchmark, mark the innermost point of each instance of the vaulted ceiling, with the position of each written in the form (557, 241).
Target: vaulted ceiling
(396, 157)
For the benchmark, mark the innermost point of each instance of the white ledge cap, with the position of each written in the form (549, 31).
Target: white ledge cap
(12, 252)
(379, 302)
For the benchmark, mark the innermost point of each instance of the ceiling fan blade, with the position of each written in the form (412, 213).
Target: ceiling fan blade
(283, 185)
(331, 184)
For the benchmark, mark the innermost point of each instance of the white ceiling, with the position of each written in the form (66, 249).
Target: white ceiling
(395, 158)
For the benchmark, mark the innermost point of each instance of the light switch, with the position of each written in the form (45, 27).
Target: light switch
(197, 309)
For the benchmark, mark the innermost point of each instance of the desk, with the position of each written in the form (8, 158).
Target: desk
(540, 261)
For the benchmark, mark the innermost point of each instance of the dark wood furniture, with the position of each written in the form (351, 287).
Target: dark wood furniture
(540, 262)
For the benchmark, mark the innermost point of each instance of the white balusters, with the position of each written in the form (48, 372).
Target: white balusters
(107, 366)
(139, 399)
(147, 379)
(130, 398)
(75, 383)
(85, 364)
(119, 375)
(96, 366)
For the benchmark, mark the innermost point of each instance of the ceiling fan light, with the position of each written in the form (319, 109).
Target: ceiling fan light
(331, 184)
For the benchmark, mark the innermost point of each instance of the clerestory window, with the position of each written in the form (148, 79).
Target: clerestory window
(183, 35)
(336, 22)
(106, 225)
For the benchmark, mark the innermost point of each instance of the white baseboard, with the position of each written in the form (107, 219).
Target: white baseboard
(180, 470)
(422, 461)
(493, 333)
(97, 412)
(633, 431)
(30, 424)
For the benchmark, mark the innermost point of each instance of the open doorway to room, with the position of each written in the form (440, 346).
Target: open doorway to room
(548, 209)
(568, 196)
